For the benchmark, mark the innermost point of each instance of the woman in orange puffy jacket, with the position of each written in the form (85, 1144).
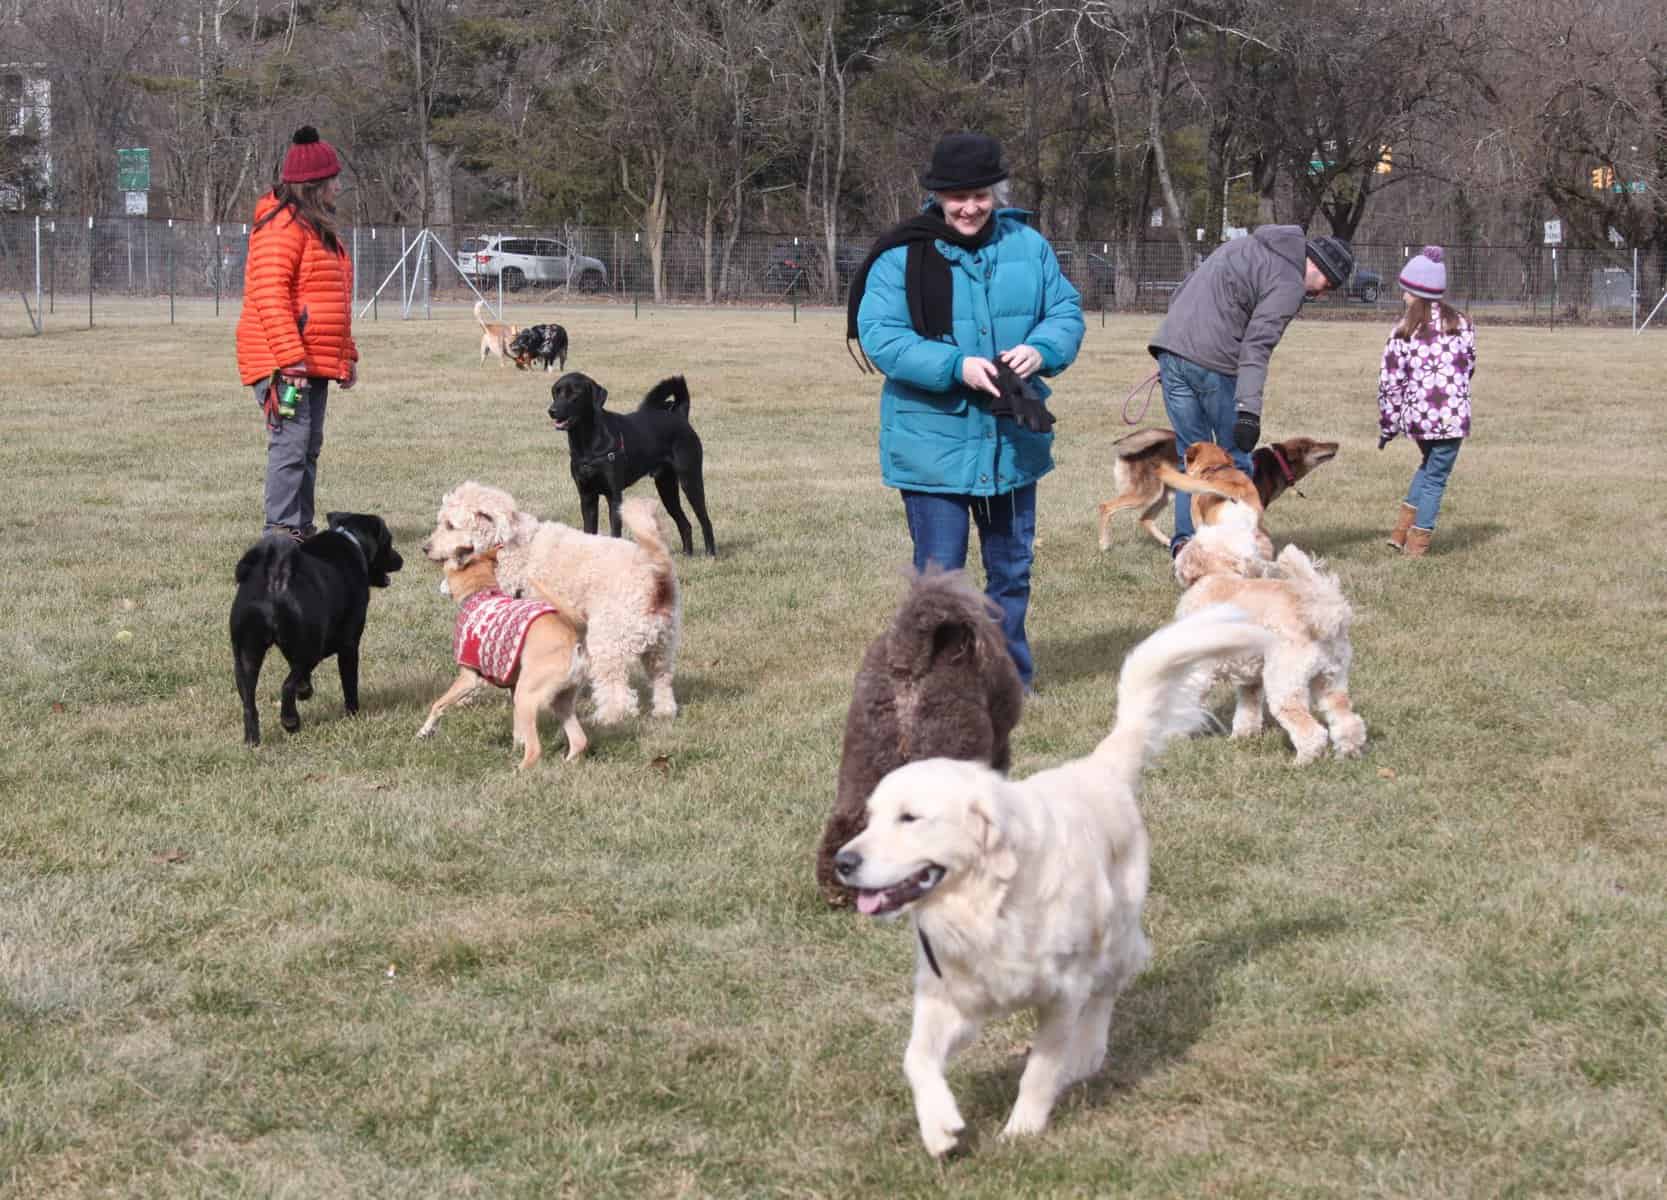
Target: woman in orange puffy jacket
(297, 324)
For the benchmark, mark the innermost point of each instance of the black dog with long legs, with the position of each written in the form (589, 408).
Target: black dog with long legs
(309, 600)
(611, 451)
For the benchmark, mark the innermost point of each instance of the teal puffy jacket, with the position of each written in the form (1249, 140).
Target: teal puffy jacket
(937, 434)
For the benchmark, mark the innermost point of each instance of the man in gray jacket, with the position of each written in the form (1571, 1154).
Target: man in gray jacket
(1223, 323)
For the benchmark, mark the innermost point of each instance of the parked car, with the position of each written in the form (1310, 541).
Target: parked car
(801, 264)
(1364, 285)
(519, 261)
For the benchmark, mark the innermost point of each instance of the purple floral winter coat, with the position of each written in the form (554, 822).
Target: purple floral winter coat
(1424, 386)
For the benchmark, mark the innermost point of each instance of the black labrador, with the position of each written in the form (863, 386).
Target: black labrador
(545, 344)
(611, 451)
(308, 599)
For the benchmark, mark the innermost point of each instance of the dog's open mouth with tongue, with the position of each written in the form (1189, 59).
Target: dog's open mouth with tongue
(876, 902)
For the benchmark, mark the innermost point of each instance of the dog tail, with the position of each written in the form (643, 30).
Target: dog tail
(1324, 609)
(1188, 483)
(943, 614)
(1164, 678)
(268, 558)
(641, 517)
(564, 610)
(669, 395)
(480, 305)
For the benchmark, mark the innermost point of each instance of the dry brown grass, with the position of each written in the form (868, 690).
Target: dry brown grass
(349, 963)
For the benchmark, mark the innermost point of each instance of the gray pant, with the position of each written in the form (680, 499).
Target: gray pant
(292, 447)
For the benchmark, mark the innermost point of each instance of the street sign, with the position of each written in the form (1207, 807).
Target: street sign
(133, 170)
(1554, 233)
(138, 204)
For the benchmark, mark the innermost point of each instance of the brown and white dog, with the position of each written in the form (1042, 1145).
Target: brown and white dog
(495, 336)
(529, 645)
(1145, 474)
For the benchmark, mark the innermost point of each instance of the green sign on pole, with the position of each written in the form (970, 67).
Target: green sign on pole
(133, 170)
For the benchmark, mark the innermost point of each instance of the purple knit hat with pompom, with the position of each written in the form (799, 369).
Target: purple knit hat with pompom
(1425, 275)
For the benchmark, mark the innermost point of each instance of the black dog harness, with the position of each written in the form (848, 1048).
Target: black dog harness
(931, 959)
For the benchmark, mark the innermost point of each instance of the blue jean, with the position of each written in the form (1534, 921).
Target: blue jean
(1429, 481)
(939, 524)
(292, 448)
(1201, 408)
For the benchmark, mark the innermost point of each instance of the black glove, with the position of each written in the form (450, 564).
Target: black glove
(1247, 431)
(1383, 439)
(1020, 401)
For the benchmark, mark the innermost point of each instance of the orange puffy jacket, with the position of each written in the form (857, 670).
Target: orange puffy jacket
(290, 274)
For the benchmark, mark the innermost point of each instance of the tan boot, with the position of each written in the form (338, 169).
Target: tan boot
(1418, 543)
(1398, 535)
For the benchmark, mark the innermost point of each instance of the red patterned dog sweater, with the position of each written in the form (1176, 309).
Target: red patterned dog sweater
(491, 627)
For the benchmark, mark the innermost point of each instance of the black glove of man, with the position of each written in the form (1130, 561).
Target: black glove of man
(1383, 440)
(1247, 431)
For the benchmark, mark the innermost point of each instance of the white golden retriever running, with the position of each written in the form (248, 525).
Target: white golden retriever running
(1028, 893)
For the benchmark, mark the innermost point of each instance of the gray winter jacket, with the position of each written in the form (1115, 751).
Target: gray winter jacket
(1230, 313)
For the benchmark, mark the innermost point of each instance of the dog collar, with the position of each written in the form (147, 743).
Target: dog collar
(1284, 469)
(931, 959)
(364, 557)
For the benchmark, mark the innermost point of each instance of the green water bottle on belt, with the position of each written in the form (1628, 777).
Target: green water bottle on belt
(287, 398)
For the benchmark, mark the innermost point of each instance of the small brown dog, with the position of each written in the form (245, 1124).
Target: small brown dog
(1145, 475)
(495, 336)
(938, 683)
(530, 646)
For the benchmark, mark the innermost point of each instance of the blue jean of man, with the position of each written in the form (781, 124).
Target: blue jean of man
(1201, 408)
(1429, 481)
(939, 525)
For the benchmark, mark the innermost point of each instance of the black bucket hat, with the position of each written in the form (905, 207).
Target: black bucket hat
(963, 161)
(1334, 257)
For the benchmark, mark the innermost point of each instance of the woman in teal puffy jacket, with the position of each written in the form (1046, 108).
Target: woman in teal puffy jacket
(940, 300)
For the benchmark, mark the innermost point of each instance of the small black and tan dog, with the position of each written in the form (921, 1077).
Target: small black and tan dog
(611, 451)
(543, 344)
(309, 599)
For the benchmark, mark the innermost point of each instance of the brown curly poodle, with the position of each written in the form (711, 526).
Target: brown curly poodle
(938, 684)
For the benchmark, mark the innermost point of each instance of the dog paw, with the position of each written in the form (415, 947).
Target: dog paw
(940, 1136)
(304, 689)
(1024, 1122)
(427, 731)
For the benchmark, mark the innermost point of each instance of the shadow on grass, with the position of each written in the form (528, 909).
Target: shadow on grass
(1062, 660)
(1162, 1015)
(1328, 540)
(1465, 536)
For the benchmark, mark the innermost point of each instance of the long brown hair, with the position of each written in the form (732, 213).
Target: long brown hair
(1417, 315)
(306, 202)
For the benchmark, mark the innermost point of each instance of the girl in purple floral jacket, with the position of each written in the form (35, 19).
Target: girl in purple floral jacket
(1424, 392)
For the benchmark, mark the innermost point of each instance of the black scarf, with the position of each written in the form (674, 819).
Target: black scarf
(927, 283)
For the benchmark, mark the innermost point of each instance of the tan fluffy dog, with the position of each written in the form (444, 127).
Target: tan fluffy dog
(625, 592)
(1027, 894)
(1145, 475)
(1305, 610)
(548, 666)
(495, 336)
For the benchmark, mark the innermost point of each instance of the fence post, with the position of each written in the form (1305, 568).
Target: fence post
(40, 314)
(1554, 289)
(170, 270)
(219, 255)
(636, 275)
(375, 311)
(52, 268)
(404, 292)
(90, 257)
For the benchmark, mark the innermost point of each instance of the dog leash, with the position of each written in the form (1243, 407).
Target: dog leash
(1284, 468)
(931, 959)
(1149, 383)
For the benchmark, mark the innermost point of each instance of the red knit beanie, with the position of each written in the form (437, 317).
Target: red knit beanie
(310, 158)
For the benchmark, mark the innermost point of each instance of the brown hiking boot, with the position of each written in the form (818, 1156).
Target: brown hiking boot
(1418, 543)
(1398, 535)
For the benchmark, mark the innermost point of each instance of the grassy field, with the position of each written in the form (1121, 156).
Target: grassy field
(352, 964)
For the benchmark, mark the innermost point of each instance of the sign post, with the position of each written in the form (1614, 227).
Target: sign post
(1554, 238)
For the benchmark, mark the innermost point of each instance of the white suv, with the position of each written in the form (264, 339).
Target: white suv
(524, 260)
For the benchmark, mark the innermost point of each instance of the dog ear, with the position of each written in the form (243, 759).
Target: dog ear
(598, 395)
(997, 854)
(492, 527)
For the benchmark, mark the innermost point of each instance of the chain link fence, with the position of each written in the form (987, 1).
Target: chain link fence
(64, 272)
